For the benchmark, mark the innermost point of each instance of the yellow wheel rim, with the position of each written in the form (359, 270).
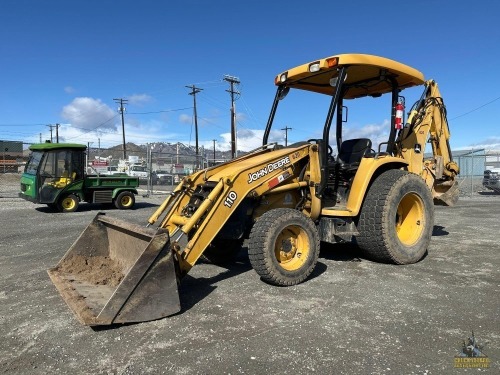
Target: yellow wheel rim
(126, 201)
(410, 219)
(292, 248)
(68, 203)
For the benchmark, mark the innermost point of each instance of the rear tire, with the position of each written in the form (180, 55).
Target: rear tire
(283, 246)
(68, 203)
(125, 200)
(397, 218)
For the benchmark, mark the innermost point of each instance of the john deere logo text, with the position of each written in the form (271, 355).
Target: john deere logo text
(267, 169)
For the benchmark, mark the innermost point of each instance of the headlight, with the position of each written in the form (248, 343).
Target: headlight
(314, 67)
(281, 78)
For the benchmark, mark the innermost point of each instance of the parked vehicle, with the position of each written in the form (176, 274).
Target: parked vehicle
(164, 178)
(54, 175)
(491, 179)
(111, 169)
(138, 171)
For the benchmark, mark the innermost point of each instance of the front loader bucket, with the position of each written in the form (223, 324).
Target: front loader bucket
(447, 193)
(117, 272)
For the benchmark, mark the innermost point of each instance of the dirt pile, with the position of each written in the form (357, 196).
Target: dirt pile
(97, 270)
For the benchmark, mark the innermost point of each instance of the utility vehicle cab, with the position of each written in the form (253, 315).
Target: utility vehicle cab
(50, 169)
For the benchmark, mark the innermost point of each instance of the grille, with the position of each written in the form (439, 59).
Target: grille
(104, 196)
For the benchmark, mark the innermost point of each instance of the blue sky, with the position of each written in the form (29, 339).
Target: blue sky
(65, 61)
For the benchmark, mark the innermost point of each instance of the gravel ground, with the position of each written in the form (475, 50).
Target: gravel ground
(352, 316)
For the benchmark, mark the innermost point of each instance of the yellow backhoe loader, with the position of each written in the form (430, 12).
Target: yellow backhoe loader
(284, 199)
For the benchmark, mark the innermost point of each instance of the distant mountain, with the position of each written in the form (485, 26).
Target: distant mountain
(161, 150)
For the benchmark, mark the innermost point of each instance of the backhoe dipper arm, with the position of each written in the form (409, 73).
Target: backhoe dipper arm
(427, 122)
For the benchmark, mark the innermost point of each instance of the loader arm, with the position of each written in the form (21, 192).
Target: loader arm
(427, 122)
(203, 202)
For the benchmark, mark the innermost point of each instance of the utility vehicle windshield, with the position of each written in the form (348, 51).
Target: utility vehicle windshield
(33, 162)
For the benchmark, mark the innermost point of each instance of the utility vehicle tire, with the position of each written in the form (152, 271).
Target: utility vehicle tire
(68, 203)
(283, 246)
(222, 251)
(125, 200)
(397, 218)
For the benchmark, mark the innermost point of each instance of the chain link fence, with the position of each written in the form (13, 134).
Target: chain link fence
(472, 166)
(12, 160)
(160, 170)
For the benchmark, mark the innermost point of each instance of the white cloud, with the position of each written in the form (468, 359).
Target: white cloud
(89, 120)
(89, 114)
(377, 133)
(185, 119)
(139, 99)
(69, 90)
(488, 143)
(249, 139)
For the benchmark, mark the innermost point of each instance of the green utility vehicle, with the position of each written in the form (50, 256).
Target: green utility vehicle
(55, 175)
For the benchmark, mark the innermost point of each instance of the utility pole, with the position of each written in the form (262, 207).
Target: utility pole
(214, 150)
(88, 156)
(121, 109)
(233, 80)
(57, 133)
(50, 126)
(286, 129)
(195, 91)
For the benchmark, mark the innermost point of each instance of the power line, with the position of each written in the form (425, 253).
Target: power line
(85, 131)
(45, 124)
(484, 105)
(167, 110)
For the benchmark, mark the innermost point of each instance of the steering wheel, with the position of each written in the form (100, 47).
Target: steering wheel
(330, 151)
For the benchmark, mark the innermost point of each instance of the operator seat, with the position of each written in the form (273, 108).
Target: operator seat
(351, 152)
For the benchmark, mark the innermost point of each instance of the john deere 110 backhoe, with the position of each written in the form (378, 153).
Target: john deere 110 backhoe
(285, 200)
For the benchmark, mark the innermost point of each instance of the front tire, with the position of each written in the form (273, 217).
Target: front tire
(68, 203)
(283, 246)
(397, 218)
(125, 200)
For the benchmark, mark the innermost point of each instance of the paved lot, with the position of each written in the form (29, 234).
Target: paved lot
(352, 317)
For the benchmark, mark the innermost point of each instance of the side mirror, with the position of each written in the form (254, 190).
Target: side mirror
(283, 93)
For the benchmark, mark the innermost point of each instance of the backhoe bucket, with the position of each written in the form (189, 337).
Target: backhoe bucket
(446, 194)
(117, 272)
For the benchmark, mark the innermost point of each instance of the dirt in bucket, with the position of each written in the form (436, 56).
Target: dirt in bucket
(98, 270)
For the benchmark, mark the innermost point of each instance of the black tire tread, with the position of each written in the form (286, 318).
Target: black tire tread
(60, 208)
(118, 199)
(374, 235)
(264, 263)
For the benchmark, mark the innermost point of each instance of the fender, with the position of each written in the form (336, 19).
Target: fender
(368, 169)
